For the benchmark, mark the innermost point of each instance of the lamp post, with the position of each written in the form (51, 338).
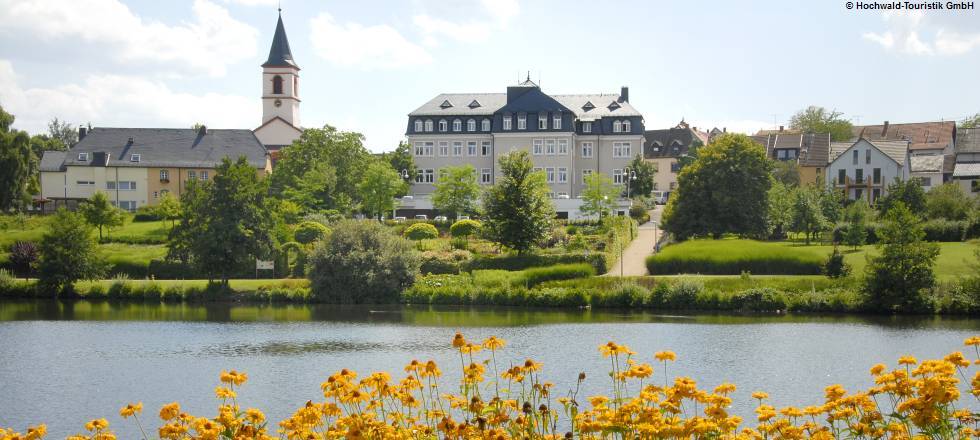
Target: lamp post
(405, 176)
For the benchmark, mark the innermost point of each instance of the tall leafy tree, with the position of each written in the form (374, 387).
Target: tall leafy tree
(781, 200)
(168, 208)
(723, 191)
(225, 223)
(17, 163)
(786, 172)
(856, 230)
(99, 212)
(68, 254)
(599, 195)
(808, 218)
(816, 119)
(970, 121)
(378, 188)
(401, 160)
(645, 171)
(908, 192)
(832, 204)
(903, 267)
(456, 190)
(315, 189)
(518, 208)
(63, 132)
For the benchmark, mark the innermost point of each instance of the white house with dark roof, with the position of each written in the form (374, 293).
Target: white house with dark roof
(864, 168)
(567, 136)
(966, 170)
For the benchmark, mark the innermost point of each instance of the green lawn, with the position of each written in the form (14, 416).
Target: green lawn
(954, 260)
(144, 232)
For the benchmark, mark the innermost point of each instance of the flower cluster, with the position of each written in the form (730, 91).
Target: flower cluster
(914, 400)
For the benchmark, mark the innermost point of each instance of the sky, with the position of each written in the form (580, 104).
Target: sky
(742, 65)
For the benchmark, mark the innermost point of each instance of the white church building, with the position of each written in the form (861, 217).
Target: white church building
(280, 96)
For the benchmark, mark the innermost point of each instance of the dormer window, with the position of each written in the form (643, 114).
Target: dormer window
(626, 126)
(542, 122)
(486, 125)
(522, 121)
(445, 104)
(457, 125)
(475, 104)
(613, 105)
(277, 85)
(418, 125)
(134, 157)
(587, 127)
(83, 157)
(471, 125)
(556, 123)
(443, 125)
(507, 122)
(428, 125)
(588, 106)
(617, 126)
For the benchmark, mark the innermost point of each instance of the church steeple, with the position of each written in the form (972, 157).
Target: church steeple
(279, 53)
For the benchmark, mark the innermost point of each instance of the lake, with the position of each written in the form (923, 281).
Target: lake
(64, 363)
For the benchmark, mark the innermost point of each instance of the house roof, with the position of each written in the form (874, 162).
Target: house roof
(896, 150)
(967, 170)
(968, 140)
(53, 160)
(668, 142)
(606, 105)
(922, 135)
(460, 105)
(166, 147)
(279, 53)
(928, 163)
(814, 147)
(764, 133)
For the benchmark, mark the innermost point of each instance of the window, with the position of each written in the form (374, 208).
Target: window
(485, 148)
(537, 169)
(786, 154)
(621, 149)
(556, 122)
(542, 121)
(975, 186)
(471, 125)
(925, 181)
(428, 125)
(585, 174)
(418, 125)
(675, 167)
(562, 195)
(617, 175)
(134, 157)
(204, 175)
(110, 185)
(586, 149)
(562, 175)
(867, 156)
(875, 175)
(859, 175)
(164, 175)
(457, 148)
(549, 147)
(156, 195)
(617, 126)
(562, 147)
(419, 149)
(457, 125)
(550, 172)
(429, 176)
(443, 125)
(486, 125)
(419, 175)
(506, 122)
(128, 185)
(429, 146)
(83, 157)
(443, 149)
(856, 152)
(858, 193)
(522, 121)
(485, 176)
(537, 147)
(277, 85)
(129, 205)
(626, 126)
(586, 127)
(841, 176)
(191, 175)
(875, 194)
(471, 148)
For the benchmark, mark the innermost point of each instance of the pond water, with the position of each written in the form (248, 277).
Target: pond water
(64, 363)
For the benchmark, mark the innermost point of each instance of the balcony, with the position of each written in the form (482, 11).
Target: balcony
(864, 182)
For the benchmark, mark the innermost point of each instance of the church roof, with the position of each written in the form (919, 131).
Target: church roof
(279, 53)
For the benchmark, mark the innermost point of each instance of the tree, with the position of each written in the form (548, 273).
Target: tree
(723, 191)
(599, 195)
(314, 190)
(815, 119)
(645, 172)
(781, 200)
(362, 262)
(63, 132)
(689, 157)
(808, 218)
(908, 192)
(518, 207)
(225, 223)
(68, 254)
(950, 202)
(832, 204)
(23, 255)
(421, 231)
(99, 212)
(970, 122)
(378, 188)
(309, 232)
(456, 190)
(168, 208)
(465, 228)
(904, 265)
(856, 230)
(786, 172)
(17, 165)
(401, 160)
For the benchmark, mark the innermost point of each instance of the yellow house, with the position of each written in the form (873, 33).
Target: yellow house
(811, 151)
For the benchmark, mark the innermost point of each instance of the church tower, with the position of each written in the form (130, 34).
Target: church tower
(280, 94)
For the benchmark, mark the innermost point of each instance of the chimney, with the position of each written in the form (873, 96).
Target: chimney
(82, 131)
(203, 130)
(624, 94)
(131, 139)
(781, 128)
(884, 129)
(724, 129)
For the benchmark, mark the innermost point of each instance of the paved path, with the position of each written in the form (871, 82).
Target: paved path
(635, 255)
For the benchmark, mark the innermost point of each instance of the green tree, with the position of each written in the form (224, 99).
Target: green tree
(908, 192)
(421, 231)
(950, 202)
(903, 267)
(645, 172)
(815, 119)
(68, 254)
(18, 164)
(63, 132)
(309, 232)
(856, 229)
(318, 154)
(378, 188)
(808, 218)
(781, 200)
(402, 160)
(225, 224)
(168, 208)
(786, 172)
(465, 228)
(832, 204)
(314, 190)
(689, 157)
(99, 212)
(970, 122)
(456, 191)
(725, 190)
(599, 195)
(518, 207)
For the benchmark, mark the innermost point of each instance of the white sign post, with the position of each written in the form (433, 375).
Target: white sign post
(264, 265)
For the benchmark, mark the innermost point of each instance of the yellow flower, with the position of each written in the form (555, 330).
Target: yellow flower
(665, 356)
(131, 409)
(255, 416)
(459, 340)
(972, 341)
(877, 369)
(233, 377)
(224, 393)
(907, 360)
(760, 395)
(725, 388)
(613, 349)
(34, 432)
(170, 411)
(493, 343)
(97, 425)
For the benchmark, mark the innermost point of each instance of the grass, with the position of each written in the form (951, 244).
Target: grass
(733, 256)
(143, 232)
(955, 258)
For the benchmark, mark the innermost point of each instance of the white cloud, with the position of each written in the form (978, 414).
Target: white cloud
(953, 34)
(469, 32)
(502, 10)
(116, 100)
(208, 43)
(370, 47)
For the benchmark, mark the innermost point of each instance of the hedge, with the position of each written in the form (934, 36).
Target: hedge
(600, 261)
(721, 257)
(533, 277)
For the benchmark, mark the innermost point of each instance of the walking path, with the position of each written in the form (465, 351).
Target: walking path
(635, 255)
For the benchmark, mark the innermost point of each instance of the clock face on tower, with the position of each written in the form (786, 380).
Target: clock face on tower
(278, 103)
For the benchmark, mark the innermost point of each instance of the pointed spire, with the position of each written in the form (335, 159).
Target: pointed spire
(279, 53)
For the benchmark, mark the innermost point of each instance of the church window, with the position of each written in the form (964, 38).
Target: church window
(277, 85)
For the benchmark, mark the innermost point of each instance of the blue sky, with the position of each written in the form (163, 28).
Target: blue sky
(365, 65)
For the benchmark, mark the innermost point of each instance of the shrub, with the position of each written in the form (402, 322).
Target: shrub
(173, 294)
(555, 237)
(896, 277)
(759, 300)
(639, 213)
(147, 213)
(308, 232)
(533, 277)
(600, 261)
(434, 262)
(6, 280)
(459, 243)
(23, 255)
(361, 262)
(835, 266)
(623, 295)
(945, 230)
(683, 295)
(421, 231)
(465, 228)
(151, 291)
(120, 287)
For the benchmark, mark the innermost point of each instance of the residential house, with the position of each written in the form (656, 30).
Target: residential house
(927, 169)
(925, 139)
(966, 170)
(137, 166)
(567, 136)
(863, 169)
(808, 150)
(664, 147)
